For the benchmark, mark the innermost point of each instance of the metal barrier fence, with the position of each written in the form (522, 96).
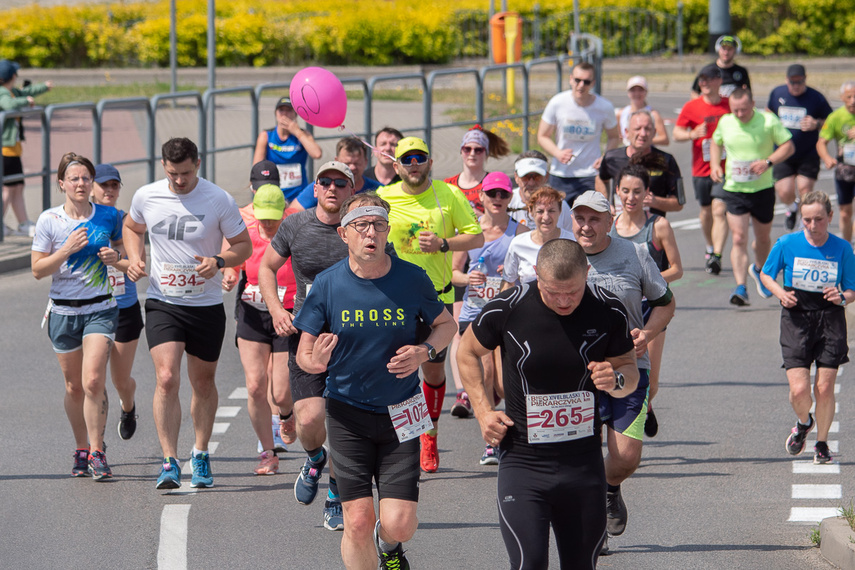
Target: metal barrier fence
(206, 109)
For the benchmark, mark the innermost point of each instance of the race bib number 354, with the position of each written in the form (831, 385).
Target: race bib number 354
(552, 418)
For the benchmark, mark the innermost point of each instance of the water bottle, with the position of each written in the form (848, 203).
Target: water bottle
(476, 292)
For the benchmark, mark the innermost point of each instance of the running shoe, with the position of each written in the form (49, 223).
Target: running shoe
(616, 513)
(288, 429)
(604, 549)
(306, 485)
(394, 560)
(81, 463)
(200, 466)
(714, 264)
(796, 440)
(170, 474)
(278, 444)
(128, 423)
(429, 457)
(651, 425)
(461, 408)
(761, 289)
(490, 457)
(790, 219)
(333, 516)
(821, 454)
(739, 297)
(98, 466)
(268, 464)
(28, 229)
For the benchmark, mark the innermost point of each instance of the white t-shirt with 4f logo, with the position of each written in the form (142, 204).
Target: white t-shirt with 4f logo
(181, 226)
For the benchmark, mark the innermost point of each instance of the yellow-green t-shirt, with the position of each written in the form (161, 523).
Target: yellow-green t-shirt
(442, 209)
(745, 143)
(836, 128)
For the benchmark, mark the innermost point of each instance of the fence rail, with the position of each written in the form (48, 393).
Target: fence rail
(205, 105)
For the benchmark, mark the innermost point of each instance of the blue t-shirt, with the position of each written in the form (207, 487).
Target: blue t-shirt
(808, 269)
(790, 110)
(373, 318)
(130, 297)
(290, 158)
(307, 199)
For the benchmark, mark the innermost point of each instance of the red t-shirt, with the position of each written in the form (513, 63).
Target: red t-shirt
(693, 114)
(470, 193)
(285, 275)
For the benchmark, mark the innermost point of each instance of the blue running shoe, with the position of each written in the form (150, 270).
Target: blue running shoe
(306, 485)
(761, 289)
(170, 474)
(278, 445)
(739, 297)
(201, 467)
(98, 466)
(333, 516)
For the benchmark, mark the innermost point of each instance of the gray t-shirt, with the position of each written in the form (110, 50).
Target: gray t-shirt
(627, 270)
(312, 245)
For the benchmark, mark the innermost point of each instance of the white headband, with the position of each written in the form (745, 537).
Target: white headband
(476, 136)
(364, 211)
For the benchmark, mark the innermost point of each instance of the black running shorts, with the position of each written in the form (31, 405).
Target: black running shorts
(814, 336)
(303, 384)
(257, 326)
(130, 323)
(201, 329)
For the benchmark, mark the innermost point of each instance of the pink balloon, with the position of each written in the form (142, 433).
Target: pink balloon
(318, 96)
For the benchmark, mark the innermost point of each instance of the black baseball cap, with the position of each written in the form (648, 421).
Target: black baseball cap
(710, 71)
(284, 102)
(796, 70)
(264, 172)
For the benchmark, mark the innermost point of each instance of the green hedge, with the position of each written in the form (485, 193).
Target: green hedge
(295, 32)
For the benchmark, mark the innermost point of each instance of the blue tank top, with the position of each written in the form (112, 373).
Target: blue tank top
(130, 295)
(645, 236)
(494, 253)
(290, 158)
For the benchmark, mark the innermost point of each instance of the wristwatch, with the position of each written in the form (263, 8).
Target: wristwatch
(220, 262)
(431, 351)
(444, 247)
(769, 163)
(620, 381)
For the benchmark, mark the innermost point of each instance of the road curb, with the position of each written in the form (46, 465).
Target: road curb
(15, 262)
(837, 542)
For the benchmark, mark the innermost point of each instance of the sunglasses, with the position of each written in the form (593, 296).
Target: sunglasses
(497, 193)
(587, 82)
(473, 149)
(411, 159)
(327, 182)
(362, 226)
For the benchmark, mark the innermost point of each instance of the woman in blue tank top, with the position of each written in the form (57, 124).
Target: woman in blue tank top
(636, 224)
(499, 229)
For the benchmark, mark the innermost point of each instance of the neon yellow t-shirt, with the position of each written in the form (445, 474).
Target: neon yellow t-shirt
(441, 209)
(745, 143)
(837, 126)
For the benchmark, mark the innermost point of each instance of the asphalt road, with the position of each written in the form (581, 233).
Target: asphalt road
(715, 488)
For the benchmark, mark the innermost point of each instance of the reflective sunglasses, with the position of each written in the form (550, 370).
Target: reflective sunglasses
(361, 226)
(498, 193)
(473, 149)
(327, 182)
(587, 82)
(411, 159)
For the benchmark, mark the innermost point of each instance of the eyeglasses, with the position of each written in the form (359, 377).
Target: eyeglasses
(411, 159)
(586, 82)
(327, 182)
(361, 226)
(796, 81)
(498, 193)
(473, 149)
(84, 179)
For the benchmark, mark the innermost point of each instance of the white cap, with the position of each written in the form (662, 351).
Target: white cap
(529, 165)
(636, 81)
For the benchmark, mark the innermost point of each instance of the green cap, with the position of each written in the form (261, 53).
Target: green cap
(269, 203)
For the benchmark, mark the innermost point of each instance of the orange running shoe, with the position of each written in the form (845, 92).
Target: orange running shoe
(269, 464)
(429, 458)
(288, 429)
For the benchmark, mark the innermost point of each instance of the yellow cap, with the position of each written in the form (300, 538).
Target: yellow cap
(410, 144)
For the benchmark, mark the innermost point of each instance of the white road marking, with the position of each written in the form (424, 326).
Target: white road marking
(812, 514)
(817, 491)
(227, 411)
(220, 428)
(172, 550)
(808, 468)
(239, 394)
(835, 427)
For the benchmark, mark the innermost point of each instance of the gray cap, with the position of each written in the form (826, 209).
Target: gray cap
(338, 167)
(796, 70)
(594, 200)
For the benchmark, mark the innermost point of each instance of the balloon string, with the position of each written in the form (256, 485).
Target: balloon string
(369, 145)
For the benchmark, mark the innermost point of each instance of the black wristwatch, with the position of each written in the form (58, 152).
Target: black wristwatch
(769, 163)
(431, 351)
(220, 262)
(620, 381)
(444, 247)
